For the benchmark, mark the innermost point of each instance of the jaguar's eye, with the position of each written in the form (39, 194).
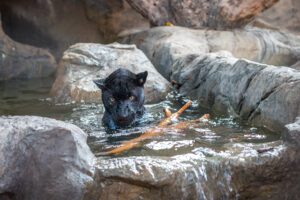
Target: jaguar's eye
(132, 98)
(112, 100)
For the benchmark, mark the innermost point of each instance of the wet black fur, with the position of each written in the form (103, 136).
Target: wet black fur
(123, 97)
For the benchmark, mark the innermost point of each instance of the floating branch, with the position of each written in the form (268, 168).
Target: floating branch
(170, 118)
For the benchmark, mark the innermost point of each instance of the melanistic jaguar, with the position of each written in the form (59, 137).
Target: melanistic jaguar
(123, 97)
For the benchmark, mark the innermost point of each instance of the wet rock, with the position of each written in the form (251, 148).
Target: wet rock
(23, 61)
(217, 14)
(292, 132)
(264, 94)
(82, 63)
(267, 96)
(55, 24)
(43, 158)
(163, 45)
(237, 172)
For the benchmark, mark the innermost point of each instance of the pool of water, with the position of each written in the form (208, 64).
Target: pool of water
(31, 97)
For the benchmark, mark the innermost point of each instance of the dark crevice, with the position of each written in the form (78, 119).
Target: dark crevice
(240, 104)
(207, 41)
(198, 85)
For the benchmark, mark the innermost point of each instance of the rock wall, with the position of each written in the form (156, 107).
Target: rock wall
(215, 14)
(284, 15)
(58, 24)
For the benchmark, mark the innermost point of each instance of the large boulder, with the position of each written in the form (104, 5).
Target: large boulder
(43, 158)
(163, 45)
(216, 14)
(23, 61)
(82, 63)
(266, 95)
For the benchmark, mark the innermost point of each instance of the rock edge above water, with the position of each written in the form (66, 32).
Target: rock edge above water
(84, 62)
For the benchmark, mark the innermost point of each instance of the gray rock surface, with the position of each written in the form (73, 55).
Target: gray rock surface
(163, 45)
(264, 94)
(292, 132)
(43, 158)
(23, 61)
(82, 63)
(267, 96)
(238, 171)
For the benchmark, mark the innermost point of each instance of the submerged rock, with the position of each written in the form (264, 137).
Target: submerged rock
(23, 61)
(164, 45)
(43, 158)
(83, 63)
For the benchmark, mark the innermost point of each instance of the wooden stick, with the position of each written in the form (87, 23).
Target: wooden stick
(136, 141)
(187, 124)
(167, 112)
(149, 133)
(174, 116)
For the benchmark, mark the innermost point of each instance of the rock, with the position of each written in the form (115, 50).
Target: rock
(236, 172)
(56, 25)
(284, 15)
(164, 45)
(48, 159)
(110, 20)
(296, 65)
(23, 61)
(292, 132)
(263, 94)
(82, 63)
(267, 96)
(216, 14)
(43, 158)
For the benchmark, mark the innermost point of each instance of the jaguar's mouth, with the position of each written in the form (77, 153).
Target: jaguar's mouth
(125, 121)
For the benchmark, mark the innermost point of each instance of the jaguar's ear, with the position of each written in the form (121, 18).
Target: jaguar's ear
(141, 78)
(100, 83)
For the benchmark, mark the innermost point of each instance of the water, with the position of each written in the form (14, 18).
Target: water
(31, 97)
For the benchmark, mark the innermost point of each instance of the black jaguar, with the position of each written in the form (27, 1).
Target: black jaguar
(123, 97)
